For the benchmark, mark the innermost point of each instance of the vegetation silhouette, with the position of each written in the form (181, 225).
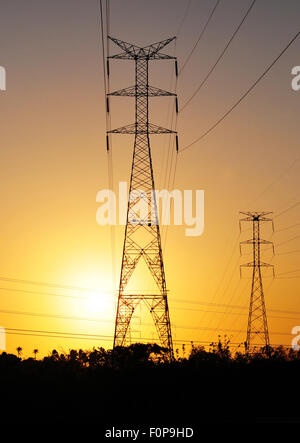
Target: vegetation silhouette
(138, 384)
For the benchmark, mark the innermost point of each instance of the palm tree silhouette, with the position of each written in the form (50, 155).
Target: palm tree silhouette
(19, 351)
(35, 351)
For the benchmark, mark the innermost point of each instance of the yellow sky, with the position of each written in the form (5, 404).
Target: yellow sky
(53, 163)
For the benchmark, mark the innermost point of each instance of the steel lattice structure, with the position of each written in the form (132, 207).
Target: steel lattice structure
(142, 186)
(257, 330)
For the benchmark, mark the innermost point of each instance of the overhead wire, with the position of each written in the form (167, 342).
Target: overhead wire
(26, 291)
(171, 155)
(296, 251)
(286, 228)
(217, 290)
(46, 284)
(250, 89)
(185, 14)
(235, 105)
(170, 149)
(172, 175)
(56, 316)
(77, 335)
(240, 307)
(288, 209)
(102, 338)
(278, 178)
(105, 29)
(289, 272)
(287, 241)
(197, 90)
(200, 37)
(175, 300)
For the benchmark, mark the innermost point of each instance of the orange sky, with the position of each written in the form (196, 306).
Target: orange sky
(53, 163)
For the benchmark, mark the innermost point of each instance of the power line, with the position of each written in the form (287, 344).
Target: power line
(283, 243)
(55, 336)
(289, 272)
(56, 316)
(104, 338)
(199, 38)
(169, 174)
(279, 178)
(42, 293)
(103, 49)
(176, 300)
(288, 209)
(171, 154)
(150, 340)
(50, 285)
(110, 169)
(227, 268)
(230, 300)
(5, 311)
(286, 228)
(243, 96)
(171, 141)
(218, 59)
(287, 241)
(101, 320)
(245, 314)
(231, 306)
(289, 252)
(60, 334)
(184, 18)
(108, 119)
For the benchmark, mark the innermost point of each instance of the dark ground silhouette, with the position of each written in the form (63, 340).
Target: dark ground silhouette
(137, 385)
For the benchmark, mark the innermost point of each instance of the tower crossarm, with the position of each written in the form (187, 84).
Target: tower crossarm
(151, 129)
(129, 48)
(252, 264)
(260, 241)
(147, 52)
(132, 91)
(154, 48)
(255, 214)
(157, 56)
(121, 56)
(256, 242)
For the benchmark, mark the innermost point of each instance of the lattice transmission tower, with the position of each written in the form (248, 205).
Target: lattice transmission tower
(257, 330)
(142, 234)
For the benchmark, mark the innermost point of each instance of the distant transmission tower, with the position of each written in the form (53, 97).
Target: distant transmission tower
(142, 235)
(257, 330)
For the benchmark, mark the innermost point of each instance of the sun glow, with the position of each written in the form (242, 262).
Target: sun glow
(98, 304)
(94, 298)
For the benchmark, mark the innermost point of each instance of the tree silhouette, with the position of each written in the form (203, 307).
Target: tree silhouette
(212, 375)
(19, 351)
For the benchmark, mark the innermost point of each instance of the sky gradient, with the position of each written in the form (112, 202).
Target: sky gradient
(54, 161)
